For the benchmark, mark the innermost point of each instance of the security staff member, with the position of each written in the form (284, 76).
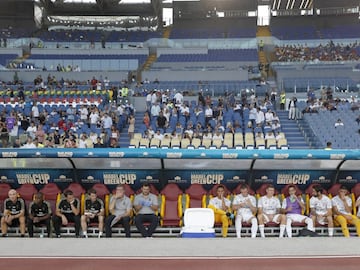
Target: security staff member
(39, 214)
(68, 210)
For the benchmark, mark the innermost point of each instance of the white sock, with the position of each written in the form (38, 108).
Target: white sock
(254, 227)
(238, 226)
(288, 228)
(310, 224)
(282, 230)
(262, 230)
(331, 232)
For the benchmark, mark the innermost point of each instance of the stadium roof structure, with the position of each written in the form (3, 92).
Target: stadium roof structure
(101, 7)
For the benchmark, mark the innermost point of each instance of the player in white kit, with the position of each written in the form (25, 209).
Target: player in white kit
(245, 206)
(269, 211)
(321, 209)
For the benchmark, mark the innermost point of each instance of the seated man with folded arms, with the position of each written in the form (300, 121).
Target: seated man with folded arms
(120, 211)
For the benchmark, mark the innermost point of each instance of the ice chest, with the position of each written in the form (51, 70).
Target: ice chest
(198, 223)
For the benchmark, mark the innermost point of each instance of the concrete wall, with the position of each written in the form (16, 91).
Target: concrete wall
(29, 75)
(204, 65)
(161, 51)
(75, 51)
(196, 75)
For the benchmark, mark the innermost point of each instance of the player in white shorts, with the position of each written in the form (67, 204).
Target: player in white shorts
(245, 207)
(293, 206)
(269, 210)
(321, 209)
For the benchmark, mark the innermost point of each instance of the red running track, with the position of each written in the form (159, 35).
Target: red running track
(178, 263)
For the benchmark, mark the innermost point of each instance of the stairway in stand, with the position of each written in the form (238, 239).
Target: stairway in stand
(124, 137)
(292, 131)
(166, 32)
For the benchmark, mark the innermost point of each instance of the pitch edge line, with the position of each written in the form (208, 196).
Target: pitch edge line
(180, 257)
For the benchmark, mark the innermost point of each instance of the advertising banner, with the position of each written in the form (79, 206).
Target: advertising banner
(207, 178)
(37, 177)
(112, 178)
(281, 178)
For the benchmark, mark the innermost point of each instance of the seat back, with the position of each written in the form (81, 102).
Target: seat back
(285, 191)
(153, 190)
(27, 191)
(4, 190)
(212, 191)
(52, 194)
(334, 190)
(103, 193)
(236, 190)
(308, 194)
(261, 191)
(171, 205)
(195, 196)
(79, 192)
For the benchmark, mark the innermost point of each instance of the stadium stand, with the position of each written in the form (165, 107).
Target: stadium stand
(68, 110)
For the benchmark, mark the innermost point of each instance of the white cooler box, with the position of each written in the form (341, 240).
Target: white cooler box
(198, 223)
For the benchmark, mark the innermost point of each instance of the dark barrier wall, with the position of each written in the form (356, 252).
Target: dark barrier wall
(183, 167)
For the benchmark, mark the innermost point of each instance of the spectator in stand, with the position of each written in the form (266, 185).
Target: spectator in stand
(131, 128)
(31, 130)
(339, 123)
(292, 108)
(146, 119)
(115, 134)
(161, 121)
(4, 135)
(98, 143)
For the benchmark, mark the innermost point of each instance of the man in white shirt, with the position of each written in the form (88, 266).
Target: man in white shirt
(342, 208)
(321, 209)
(35, 111)
(245, 206)
(179, 98)
(84, 113)
(221, 207)
(260, 117)
(107, 121)
(269, 211)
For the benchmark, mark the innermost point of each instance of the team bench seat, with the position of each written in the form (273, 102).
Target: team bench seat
(175, 231)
